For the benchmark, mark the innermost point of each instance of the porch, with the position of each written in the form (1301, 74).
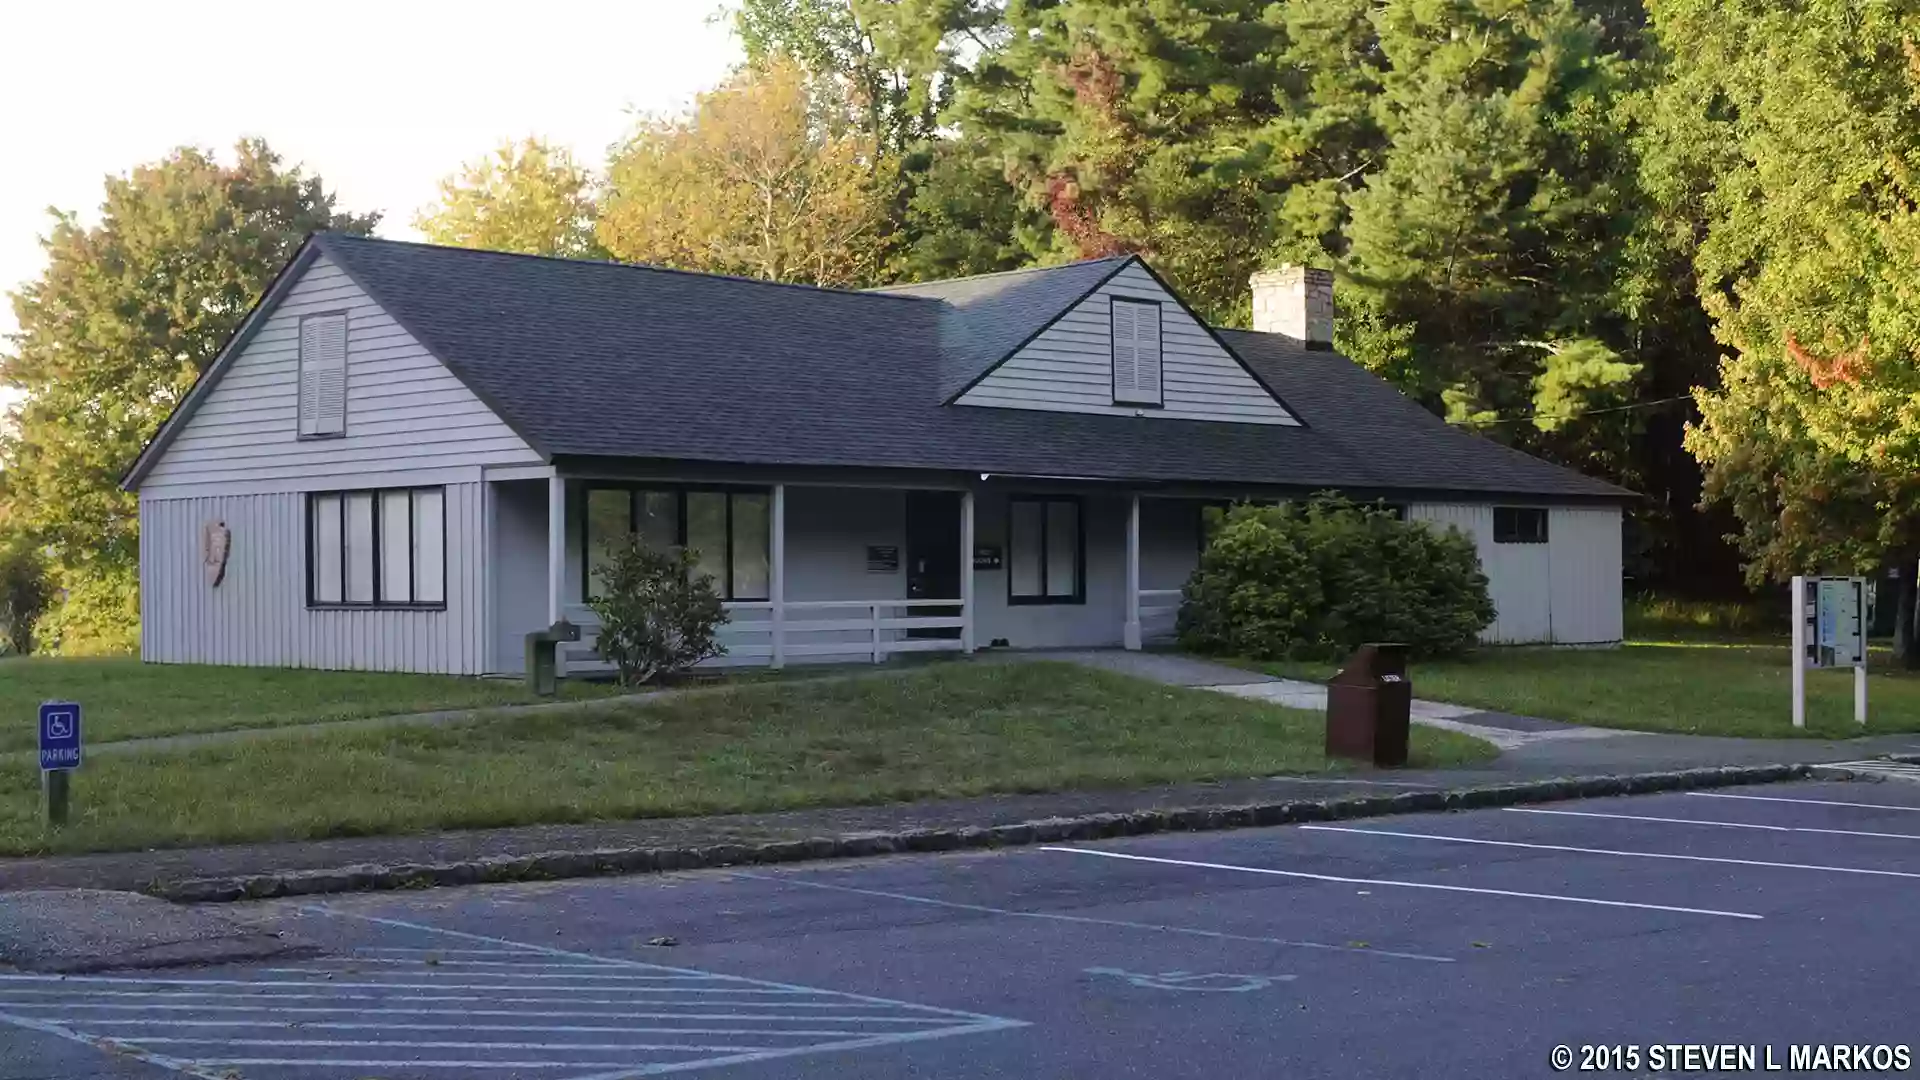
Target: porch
(826, 571)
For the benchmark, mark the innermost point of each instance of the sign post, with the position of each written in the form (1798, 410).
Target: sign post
(59, 754)
(1831, 616)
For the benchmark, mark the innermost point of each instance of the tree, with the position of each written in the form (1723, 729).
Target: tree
(1796, 129)
(114, 332)
(766, 178)
(528, 197)
(898, 61)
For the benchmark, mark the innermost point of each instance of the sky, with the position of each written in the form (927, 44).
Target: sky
(381, 99)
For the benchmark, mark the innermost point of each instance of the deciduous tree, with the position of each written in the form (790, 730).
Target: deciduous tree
(127, 314)
(528, 197)
(767, 177)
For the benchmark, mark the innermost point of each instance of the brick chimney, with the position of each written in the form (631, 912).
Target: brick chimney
(1296, 301)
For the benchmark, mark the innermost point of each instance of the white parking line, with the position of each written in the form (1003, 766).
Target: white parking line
(384, 1010)
(449, 1044)
(386, 1007)
(1807, 802)
(1716, 824)
(557, 1028)
(139, 981)
(1609, 851)
(1055, 917)
(1403, 884)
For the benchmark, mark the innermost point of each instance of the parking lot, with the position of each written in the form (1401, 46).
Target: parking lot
(1466, 944)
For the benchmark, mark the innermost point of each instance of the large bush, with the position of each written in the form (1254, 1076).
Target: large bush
(1316, 579)
(658, 613)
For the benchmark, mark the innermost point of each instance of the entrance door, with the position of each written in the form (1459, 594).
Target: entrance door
(933, 556)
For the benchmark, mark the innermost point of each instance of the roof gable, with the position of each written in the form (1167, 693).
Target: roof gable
(1069, 365)
(993, 315)
(405, 409)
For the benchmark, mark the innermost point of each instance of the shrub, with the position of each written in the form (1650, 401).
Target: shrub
(24, 592)
(94, 613)
(1314, 580)
(657, 613)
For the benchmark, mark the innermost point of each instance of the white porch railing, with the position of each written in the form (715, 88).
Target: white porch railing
(1158, 610)
(823, 628)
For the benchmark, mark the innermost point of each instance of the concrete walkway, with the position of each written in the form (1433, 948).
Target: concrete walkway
(1503, 730)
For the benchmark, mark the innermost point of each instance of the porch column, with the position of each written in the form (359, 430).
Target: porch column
(966, 571)
(1131, 636)
(777, 576)
(556, 546)
(557, 560)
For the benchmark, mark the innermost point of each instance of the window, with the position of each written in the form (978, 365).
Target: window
(1046, 551)
(1519, 525)
(323, 376)
(379, 549)
(731, 530)
(1136, 353)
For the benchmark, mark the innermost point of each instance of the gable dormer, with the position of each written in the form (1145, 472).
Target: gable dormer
(1129, 348)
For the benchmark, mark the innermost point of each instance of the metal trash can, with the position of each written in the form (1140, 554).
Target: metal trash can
(542, 648)
(1369, 702)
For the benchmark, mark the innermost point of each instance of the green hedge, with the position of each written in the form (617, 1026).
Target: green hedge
(1312, 580)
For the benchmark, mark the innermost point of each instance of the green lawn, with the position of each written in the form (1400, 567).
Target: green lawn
(945, 730)
(125, 699)
(1683, 687)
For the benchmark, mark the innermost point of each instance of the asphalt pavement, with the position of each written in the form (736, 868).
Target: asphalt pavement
(1469, 944)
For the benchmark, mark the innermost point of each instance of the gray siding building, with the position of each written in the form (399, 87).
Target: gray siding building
(409, 455)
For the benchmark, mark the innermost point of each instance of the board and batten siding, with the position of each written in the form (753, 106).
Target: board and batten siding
(1567, 591)
(258, 614)
(405, 410)
(1069, 366)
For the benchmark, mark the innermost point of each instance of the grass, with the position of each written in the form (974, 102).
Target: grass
(947, 730)
(125, 699)
(1680, 687)
(1667, 618)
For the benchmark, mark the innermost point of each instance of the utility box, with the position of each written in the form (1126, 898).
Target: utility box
(542, 659)
(1369, 706)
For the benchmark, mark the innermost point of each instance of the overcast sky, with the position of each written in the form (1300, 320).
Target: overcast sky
(382, 99)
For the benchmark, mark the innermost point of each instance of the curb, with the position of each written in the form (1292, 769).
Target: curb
(557, 865)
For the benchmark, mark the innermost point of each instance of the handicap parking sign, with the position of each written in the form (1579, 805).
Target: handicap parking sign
(59, 735)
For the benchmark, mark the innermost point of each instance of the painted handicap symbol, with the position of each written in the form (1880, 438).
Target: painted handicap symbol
(1182, 980)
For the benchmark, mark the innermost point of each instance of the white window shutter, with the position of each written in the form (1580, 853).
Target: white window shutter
(323, 375)
(1126, 356)
(1146, 344)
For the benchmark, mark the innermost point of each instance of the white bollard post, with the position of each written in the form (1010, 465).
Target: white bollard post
(1860, 694)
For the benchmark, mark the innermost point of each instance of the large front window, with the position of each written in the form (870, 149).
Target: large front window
(730, 531)
(377, 548)
(1046, 545)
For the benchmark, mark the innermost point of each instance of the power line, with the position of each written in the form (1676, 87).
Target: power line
(1573, 415)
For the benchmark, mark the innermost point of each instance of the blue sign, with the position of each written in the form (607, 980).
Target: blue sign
(59, 735)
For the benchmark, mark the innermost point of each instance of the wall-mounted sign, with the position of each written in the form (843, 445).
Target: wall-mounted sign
(883, 558)
(216, 542)
(987, 557)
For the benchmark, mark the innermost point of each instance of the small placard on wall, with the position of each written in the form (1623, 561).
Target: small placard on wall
(883, 558)
(986, 557)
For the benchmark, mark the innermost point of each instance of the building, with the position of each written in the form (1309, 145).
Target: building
(405, 457)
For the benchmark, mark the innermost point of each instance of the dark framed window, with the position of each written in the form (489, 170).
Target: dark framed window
(730, 528)
(1046, 550)
(1519, 525)
(383, 548)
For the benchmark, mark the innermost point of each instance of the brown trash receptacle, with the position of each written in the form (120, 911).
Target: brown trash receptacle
(1369, 702)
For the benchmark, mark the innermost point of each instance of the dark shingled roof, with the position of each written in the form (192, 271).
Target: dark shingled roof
(590, 359)
(994, 314)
